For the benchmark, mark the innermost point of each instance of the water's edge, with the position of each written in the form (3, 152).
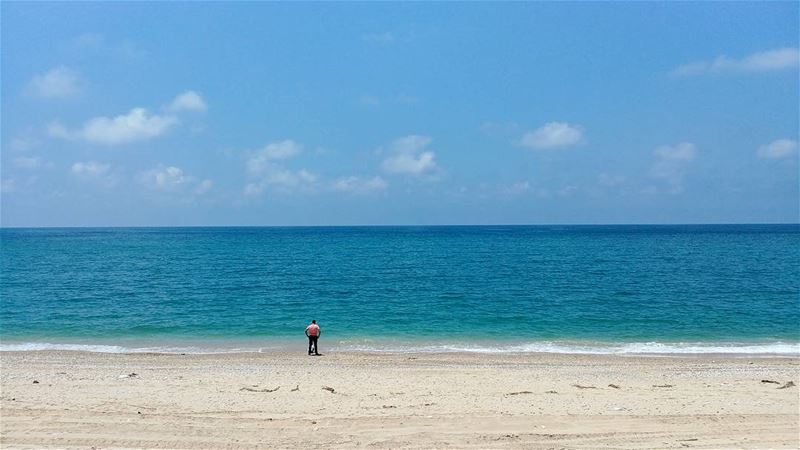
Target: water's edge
(774, 348)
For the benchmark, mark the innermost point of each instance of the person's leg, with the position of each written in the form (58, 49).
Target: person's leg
(316, 345)
(310, 341)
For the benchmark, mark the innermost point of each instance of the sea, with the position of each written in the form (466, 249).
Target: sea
(627, 290)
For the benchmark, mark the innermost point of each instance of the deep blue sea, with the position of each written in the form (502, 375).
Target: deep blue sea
(603, 289)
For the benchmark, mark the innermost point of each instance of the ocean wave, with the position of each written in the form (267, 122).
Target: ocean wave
(633, 348)
(100, 348)
(778, 348)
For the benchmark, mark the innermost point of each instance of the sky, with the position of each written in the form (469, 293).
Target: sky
(214, 114)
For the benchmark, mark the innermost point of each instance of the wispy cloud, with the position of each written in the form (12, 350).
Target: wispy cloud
(408, 155)
(60, 82)
(283, 180)
(553, 135)
(95, 172)
(164, 178)
(28, 162)
(610, 180)
(516, 188)
(766, 61)
(87, 41)
(670, 164)
(369, 100)
(781, 148)
(267, 164)
(405, 99)
(566, 191)
(685, 151)
(359, 185)
(90, 168)
(8, 185)
(203, 187)
(263, 159)
(24, 143)
(188, 101)
(173, 179)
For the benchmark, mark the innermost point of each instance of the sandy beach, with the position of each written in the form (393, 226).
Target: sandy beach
(281, 400)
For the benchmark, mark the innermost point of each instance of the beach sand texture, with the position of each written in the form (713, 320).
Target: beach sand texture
(343, 400)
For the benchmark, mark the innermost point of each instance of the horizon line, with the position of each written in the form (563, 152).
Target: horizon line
(411, 225)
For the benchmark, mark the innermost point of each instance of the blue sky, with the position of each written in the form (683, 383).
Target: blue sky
(118, 114)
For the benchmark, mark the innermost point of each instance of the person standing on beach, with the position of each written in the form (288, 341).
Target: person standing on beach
(313, 332)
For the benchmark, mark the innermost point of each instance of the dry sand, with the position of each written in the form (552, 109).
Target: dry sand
(88, 400)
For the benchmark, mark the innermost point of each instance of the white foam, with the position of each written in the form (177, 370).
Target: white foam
(635, 348)
(97, 348)
(777, 348)
(39, 346)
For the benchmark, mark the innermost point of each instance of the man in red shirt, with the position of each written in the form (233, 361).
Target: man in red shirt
(313, 332)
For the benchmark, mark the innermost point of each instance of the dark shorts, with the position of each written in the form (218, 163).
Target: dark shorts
(312, 341)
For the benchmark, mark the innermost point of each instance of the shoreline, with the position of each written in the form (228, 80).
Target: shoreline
(515, 356)
(738, 357)
(773, 348)
(379, 400)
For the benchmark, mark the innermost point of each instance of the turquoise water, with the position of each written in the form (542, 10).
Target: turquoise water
(731, 288)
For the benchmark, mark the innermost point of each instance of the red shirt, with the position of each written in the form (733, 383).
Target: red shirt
(312, 330)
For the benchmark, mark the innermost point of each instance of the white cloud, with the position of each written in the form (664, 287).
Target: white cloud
(60, 82)
(188, 101)
(766, 61)
(781, 148)
(519, 187)
(685, 151)
(262, 160)
(90, 168)
(567, 190)
(95, 172)
(553, 135)
(408, 156)
(8, 185)
(266, 164)
(137, 125)
(281, 179)
(357, 184)
(57, 130)
(204, 187)
(175, 180)
(253, 189)
(165, 178)
(670, 164)
(289, 179)
(410, 163)
(24, 143)
(28, 162)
